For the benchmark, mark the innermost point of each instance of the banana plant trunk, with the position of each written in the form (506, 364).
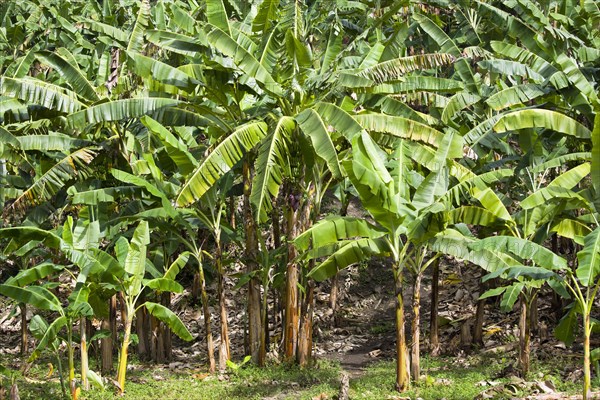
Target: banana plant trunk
(402, 371)
(123, 356)
(479, 314)
(256, 331)
(84, 353)
(434, 341)
(224, 344)
(306, 327)
(524, 337)
(142, 325)
(587, 376)
(156, 346)
(165, 331)
(335, 281)
(291, 287)
(71, 360)
(106, 344)
(207, 318)
(415, 359)
(24, 338)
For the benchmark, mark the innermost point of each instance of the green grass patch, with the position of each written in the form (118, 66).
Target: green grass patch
(149, 382)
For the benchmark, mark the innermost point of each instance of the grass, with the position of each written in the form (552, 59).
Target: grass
(453, 378)
(444, 378)
(150, 382)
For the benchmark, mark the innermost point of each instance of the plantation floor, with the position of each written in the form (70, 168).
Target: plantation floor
(445, 378)
(360, 344)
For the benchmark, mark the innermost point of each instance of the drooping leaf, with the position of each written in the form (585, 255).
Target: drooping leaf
(559, 188)
(164, 285)
(106, 29)
(511, 294)
(220, 161)
(176, 150)
(136, 38)
(392, 70)
(176, 42)
(589, 259)
(38, 92)
(72, 167)
(553, 194)
(168, 317)
(244, 60)
(269, 167)
(515, 95)
(539, 118)
(49, 336)
(572, 229)
(36, 296)
(149, 68)
(522, 248)
(447, 45)
(118, 110)
(33, 274)
(472, 215)
(313, 126)
(334, 229)
(52, 142)
(352, 252)
(177, 265)
(457, 103)
(339, 119)
(566, 329)
(70, 74)
(576, 77)
(493, 292)
(408, 129)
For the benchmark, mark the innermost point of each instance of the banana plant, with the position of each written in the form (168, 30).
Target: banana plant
(132, 257)
(42, 298)
(407, 215)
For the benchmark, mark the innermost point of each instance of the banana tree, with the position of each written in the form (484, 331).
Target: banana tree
(132, 257)
(583, 286)
(403, 207)
(42, 298)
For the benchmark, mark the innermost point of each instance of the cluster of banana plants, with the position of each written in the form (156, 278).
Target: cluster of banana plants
(138, 140)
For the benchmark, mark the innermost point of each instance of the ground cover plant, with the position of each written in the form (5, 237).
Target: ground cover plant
(275, 182)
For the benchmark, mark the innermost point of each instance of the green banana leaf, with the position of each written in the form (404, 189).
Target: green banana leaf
(118, 110)
(244, 60)
(48, 335)
(589, 259)
(522, 248)
(270, 166)
(35, 91)
(220, 161)
(35, 296)
(164, 285)
(74, 166)
(168, 317)
(353, 252)
(71, 74)
(333, 229)
(539, 118)
(176, 42)
(136, 37)
(313, 126)
(33, 274)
